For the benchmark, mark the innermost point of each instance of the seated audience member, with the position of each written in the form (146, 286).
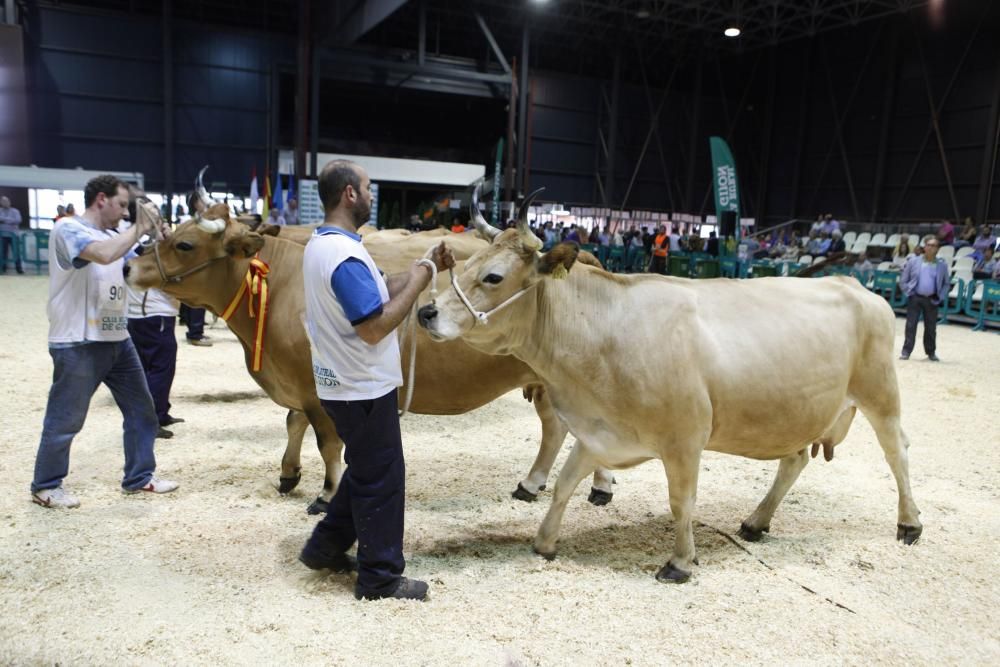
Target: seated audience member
(901, 252)
(837, 243)
(830, 225)
(946, 233)
(984, 240)
(813, 244)
(967, 235)
(863, 266)
(986, 266)
(817, 226)
(825, 244)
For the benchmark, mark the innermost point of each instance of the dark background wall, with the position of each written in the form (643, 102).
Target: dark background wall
(838, 123)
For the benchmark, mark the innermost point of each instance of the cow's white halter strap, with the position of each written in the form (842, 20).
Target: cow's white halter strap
(484, 316)
(413, 331)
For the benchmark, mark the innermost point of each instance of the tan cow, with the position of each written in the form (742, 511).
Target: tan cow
(722, 353)
(204, 263)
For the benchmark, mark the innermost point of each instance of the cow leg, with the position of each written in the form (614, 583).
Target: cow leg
(753, 528)
(578, 465)
(291, 463)
(553, 435)
(330, 448)
(894, 445)
(682, 483)
(601, 491)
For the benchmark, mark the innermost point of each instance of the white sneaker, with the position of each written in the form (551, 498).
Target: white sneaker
(56, 498)
(155, 485)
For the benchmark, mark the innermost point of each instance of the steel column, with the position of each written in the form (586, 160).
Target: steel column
(314, 114)
(422, 34)
(609, 166)
(988, 172)
(168, 104)
(522, 108)
(302, 91)
(888, 107)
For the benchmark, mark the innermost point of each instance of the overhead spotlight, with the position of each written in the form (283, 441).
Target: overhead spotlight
(642, 13)
(731, 31)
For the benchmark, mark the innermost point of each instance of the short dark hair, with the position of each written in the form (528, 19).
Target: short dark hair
(334, 179)
(105, 183)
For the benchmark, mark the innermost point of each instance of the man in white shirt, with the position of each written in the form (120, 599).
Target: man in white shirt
(89, 343)
(10, 221)
(351, 316)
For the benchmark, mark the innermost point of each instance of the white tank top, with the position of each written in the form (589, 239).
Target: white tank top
(345, 367)
(86, 304)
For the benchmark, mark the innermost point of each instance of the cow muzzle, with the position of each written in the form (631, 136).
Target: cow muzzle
(426, 315)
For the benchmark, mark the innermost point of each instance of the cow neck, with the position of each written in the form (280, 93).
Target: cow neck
(240, 323)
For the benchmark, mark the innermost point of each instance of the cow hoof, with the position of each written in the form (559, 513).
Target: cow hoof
(598, 497)
(908, 534)
(286, 484)
(752, 534)
(521, 493)
(550, 555)
(672, 575)
(318, 506)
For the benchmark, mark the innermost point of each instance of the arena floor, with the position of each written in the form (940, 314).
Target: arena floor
(209, 575)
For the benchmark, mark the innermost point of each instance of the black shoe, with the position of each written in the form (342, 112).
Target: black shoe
(340, 563)
(904, 356)
(408, 589)
(164, 433)
(170, 421)
(932, 357)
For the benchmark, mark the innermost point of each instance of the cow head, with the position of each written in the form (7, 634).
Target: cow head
(494, 279)
(191, 264)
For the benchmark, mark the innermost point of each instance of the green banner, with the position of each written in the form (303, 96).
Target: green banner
(727, 195)
(496, 185)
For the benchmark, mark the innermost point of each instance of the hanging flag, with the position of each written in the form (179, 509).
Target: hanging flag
(267, 197)
(291, 188)
(254, 194)
(279, 201)
(727, 196)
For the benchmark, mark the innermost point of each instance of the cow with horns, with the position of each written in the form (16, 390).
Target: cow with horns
(206, 263)
(711, 377)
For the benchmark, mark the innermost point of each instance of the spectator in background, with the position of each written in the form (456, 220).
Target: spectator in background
(291, 212)
(863, 268)
(817, 227)
(275, 217)
(60, 213)
(984, 240)
(830, 225)
(661, 246)
(946, 233)
(675, 239)
(456, 226)
(151, 322)
(713, 244)
(813, 243)
(572, 235)
(10, 221)
(902, 252)
(837, 242)
(986, 266)
(926, 283)
(70, 211)
(968, 234)
(194, 318)
(825, 243)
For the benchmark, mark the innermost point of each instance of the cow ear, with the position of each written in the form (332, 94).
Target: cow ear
(558, 260)
(267, 229)
(243, 245)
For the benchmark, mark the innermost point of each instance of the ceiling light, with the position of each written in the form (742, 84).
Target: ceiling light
(642, 13)
(732, 31)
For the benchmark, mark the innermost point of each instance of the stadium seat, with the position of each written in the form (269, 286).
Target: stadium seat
(863, 237)
(914, 241)
(884, 266)
(963, 265)
(805, 259)
(947, 253)
(859, 247)
(35, 249)
(988, 294)
(818, 258)
(878, 240)
(849, 239)
(893, 240)
(964, 251)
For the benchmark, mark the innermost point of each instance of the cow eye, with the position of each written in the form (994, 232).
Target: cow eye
(493, 279)
(184, 245)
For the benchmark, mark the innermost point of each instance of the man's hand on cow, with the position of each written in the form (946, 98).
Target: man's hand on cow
(442, 257)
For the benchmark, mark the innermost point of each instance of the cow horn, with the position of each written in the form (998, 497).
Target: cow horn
(485, 230)
(522, 220)
(199, 187)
